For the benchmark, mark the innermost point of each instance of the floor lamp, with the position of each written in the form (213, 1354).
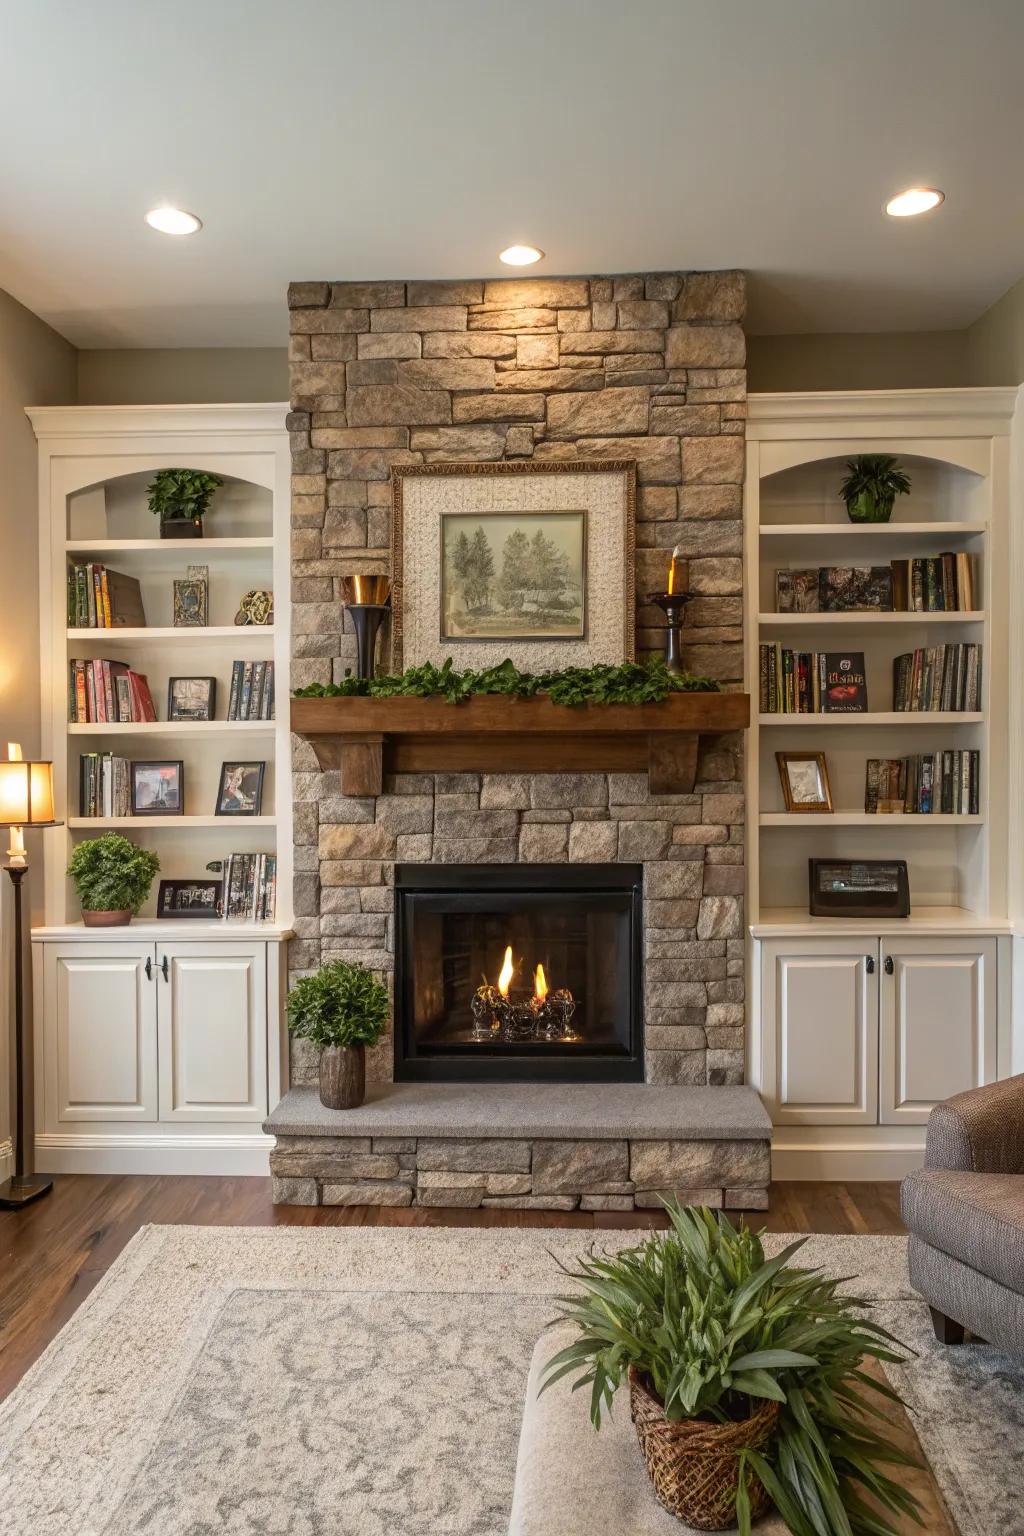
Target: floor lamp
(26, 800)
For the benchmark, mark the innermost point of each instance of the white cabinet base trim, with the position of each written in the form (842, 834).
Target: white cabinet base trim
(799, 1154)
(86, 1152)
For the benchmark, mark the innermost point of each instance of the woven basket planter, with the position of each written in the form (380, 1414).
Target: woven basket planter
(693, 1464)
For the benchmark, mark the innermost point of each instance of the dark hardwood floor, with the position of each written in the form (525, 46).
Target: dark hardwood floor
(54, 1252)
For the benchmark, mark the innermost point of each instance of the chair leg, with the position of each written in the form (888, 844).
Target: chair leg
(947, 1330)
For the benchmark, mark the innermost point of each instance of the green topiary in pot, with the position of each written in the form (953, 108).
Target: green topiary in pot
(112, 876)
(873, 482)
(341, 1009)
(179, 498)
(746, 1378)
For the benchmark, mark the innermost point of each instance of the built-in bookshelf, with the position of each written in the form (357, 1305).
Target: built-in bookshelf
(96, 465)
(954, 447)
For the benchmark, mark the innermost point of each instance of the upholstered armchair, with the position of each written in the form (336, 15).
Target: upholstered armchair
(965, 1214)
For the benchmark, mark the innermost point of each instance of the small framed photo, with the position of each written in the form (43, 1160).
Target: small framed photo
(191, 698)
(805, 785)
(189, 899)
(189, 603)
(241, 789)
(158, 789)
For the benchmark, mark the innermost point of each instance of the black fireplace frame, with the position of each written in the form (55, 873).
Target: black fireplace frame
(594, 1066)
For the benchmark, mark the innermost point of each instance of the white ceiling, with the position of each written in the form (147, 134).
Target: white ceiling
(415, 138)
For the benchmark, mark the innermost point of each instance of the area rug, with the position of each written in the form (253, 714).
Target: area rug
(370, 1382)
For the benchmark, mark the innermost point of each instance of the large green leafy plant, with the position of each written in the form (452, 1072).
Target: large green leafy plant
(181, 495)
(340, 1004)
(631, 683)
(713, 1325)
(112, 874)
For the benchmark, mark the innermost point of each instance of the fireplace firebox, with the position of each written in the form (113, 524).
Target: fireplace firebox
(509, 972)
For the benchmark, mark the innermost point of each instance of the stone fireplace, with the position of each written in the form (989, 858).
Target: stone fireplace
(642, 367)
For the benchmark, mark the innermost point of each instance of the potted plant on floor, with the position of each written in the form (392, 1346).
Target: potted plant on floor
(745, 1380)
(341, 1009)
(179, 498)
(873, 482)
(112, 877)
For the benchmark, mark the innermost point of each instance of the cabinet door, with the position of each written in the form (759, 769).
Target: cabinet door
(213, 1030)
(938, 1023)
(100, 1045)
(819, 1017)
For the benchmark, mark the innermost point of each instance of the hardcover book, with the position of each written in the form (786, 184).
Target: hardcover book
(844, 688)
(844, 588)
(796, 591)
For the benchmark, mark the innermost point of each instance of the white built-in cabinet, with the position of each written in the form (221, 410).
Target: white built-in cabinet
(160, 1047)
(875, 1030)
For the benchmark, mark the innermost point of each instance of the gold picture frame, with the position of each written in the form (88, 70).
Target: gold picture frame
(806, 791)
(424, 495)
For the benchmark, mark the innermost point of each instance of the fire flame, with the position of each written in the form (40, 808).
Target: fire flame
(540, 984)
(507, 970)
(672, 571)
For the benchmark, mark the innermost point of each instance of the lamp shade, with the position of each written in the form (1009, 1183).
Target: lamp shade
(26, 794)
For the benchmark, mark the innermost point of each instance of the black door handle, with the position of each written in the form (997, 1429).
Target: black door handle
(149, 968)
(869, 964)
(163, 967)
(889, 967)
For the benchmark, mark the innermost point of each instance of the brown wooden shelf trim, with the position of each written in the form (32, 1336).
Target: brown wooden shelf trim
(366, 738)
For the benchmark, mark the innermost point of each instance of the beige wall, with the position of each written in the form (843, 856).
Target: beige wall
(37, 367)
(182, 375)
(887, 360)
(995, 342)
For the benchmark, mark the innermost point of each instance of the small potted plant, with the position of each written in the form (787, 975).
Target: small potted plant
(341, 1009)
(745, 1380)
(873, 482)
(112, 876)
(179, 498)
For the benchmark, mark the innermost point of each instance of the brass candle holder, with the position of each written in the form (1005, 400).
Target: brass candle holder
(368, 600)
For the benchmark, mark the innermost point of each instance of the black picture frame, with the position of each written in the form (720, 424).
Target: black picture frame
(858, 888)
(247, 794)
(175, 712)
(162, 805)
(171, 891)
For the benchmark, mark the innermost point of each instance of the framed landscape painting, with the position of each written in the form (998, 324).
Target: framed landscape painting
(530, 561)
(513, 575)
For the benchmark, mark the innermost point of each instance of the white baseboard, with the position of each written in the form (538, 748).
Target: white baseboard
(843, 1162)
(6, 1159)
(233, 1155)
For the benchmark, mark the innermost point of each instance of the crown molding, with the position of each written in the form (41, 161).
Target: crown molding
(971, 412)
(89, 421)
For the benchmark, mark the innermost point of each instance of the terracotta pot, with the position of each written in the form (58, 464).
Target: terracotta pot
(692, 1462)
(106, 919)
(342, 1076)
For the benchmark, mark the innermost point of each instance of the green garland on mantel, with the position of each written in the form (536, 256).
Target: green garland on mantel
(633, 682)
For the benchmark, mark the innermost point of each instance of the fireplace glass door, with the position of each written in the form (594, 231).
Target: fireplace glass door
(518, 972)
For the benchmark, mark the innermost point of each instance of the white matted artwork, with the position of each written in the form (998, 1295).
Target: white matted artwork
(530, 561)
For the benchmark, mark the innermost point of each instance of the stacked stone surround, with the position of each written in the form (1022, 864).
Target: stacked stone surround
(643, 367)
(542, 1175)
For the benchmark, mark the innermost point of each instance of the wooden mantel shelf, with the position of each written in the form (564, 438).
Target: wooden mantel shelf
(491, 733)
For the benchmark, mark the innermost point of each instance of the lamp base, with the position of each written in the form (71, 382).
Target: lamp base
(16, 1192)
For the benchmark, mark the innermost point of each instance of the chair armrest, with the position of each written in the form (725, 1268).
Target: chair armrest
(981, 1131)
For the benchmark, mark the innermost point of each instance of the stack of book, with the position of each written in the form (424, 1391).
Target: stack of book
(250, 886)
(104, 785)
(104, 691)
(937, 584)
(938, 677)
(252, 691)
(99, 598)
(932, 784)
(811, 682)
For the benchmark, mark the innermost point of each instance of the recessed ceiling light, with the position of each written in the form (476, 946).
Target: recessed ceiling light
(914, 200)
(173, 221)
(520, 255)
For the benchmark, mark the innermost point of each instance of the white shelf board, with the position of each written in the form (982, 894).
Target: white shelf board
(161, 546)
(859, 620)
(175, 728)
(794, 922)
(178, 823)
(867, 531)
(798, 819)
(166, 928)
(882, 717)
(193, 633)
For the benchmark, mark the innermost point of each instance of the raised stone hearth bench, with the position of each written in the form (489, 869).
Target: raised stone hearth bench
(556, 1147)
